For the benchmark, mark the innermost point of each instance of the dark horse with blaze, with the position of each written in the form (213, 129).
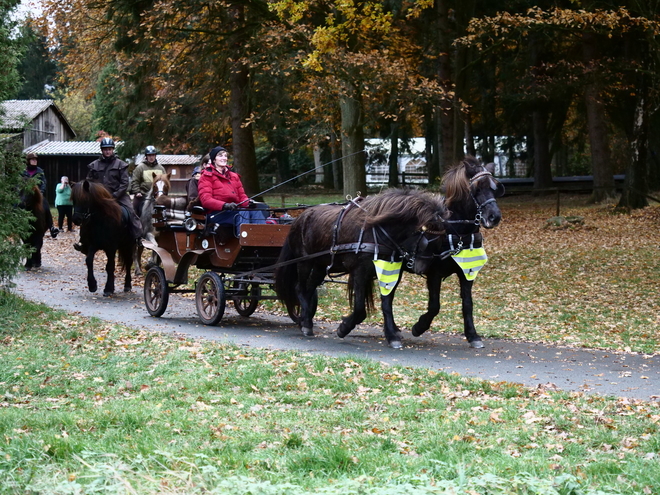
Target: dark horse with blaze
(365, 238)
(104, 227)
(471, 192)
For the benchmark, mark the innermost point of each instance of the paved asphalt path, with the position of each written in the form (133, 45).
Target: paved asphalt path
(61, 284)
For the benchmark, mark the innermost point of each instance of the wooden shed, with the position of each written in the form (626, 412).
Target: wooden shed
(36, 120)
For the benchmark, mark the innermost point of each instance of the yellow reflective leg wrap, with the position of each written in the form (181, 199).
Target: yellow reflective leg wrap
(387, 273)
(471, 261)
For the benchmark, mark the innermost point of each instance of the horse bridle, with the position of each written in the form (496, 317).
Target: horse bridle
(478, 216)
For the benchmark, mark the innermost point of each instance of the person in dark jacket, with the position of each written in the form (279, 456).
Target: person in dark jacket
(32, 170)
(112, 172)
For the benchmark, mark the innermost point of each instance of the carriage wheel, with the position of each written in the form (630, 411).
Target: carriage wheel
(210, 298)
(245, 307)
(156, 291)
(294, 313)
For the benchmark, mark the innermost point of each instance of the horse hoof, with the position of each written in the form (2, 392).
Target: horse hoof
(395, 344)
(128, 289)
(341, 333)
(93, 288)
(416, 331)
(477, 344)
(107, 294)
(307, 332)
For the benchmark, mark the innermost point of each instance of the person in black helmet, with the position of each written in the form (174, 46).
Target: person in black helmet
(143, 178)
(112, 172)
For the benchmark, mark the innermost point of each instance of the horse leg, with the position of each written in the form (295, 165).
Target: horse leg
(468, 322)
(127, 269)
(89, 261)
(362, 277)
(137, 259)
(434, 285)
(306, 290)
(391, 331)
(110, 271)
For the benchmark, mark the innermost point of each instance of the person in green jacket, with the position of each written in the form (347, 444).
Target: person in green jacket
(64, 204)
(143, 178)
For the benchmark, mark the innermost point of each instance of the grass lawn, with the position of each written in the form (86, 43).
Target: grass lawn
(90, 407)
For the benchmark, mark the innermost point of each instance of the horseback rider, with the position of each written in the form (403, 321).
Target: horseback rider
(32, 170)
(143, 178)
(112, 172)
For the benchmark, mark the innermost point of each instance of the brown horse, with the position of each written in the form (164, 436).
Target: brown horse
(32, 201)
(390, 227)
(471, 194)
(104, 225)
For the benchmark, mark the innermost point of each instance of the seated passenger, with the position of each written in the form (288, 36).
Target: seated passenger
(221, 193)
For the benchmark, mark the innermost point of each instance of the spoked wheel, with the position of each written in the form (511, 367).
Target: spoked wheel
(210, 298)
(247, 306)
(294, 313)
(156, 291)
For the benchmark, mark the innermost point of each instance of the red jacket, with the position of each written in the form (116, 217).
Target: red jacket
(215, 189)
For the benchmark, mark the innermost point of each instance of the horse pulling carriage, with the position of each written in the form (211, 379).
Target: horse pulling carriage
(398, 230)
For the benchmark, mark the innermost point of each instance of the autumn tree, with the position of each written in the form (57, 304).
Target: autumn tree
(574, 34)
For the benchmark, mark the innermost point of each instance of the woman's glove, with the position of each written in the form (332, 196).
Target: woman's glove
(229, 206)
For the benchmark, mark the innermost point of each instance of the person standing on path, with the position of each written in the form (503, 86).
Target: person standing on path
(64, 204)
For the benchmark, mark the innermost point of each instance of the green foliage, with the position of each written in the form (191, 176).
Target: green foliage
(37, 68)
(15, 221)
(10, 51)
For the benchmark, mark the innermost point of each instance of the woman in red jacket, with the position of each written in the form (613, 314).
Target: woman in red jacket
(221, 193)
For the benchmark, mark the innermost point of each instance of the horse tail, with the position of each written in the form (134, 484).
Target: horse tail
(368, 294)
(286, 277)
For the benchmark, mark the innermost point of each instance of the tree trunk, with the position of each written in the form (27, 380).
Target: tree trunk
(601, 161)
(635, 187)
(352, 134)
(445, 111)
(542, 170)
(393, 171)
(245, 158)
(432, 162)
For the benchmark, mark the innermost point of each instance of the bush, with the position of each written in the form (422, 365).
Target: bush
(15, 221)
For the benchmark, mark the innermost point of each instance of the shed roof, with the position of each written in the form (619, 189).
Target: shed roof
(17, 112)
(67, 148)
(172, 159)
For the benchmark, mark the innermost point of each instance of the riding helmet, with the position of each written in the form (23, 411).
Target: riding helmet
(107, 143)
(150, 150)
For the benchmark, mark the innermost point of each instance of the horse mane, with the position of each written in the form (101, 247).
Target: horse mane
(94, 195)
(404, 206)
(456, 181)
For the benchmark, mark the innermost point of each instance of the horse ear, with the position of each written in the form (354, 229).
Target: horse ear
(471, 166)
(154, 175)
(499, 190)
(169, 176)
(86, 186)
(490, 167)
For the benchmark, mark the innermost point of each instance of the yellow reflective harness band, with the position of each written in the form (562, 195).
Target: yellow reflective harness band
(387, 273)
(471, 261)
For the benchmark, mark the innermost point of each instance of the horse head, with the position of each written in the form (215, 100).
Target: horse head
(161, 185)
(472, 191)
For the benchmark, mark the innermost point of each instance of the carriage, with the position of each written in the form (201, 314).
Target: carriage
(237, 267)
